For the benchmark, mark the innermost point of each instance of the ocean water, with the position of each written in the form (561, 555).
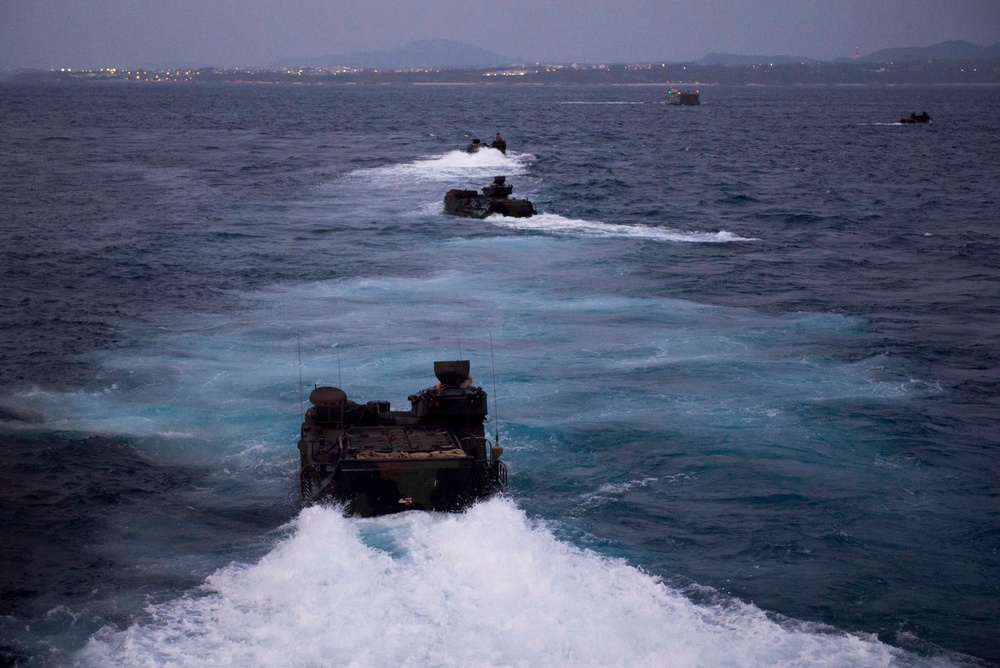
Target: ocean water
(745, 366)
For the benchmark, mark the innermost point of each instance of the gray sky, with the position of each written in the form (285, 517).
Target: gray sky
(168, 33)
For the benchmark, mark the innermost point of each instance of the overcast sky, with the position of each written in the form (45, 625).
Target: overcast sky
(168, 33)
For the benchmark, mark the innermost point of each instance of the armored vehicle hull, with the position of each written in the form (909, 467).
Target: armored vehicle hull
(922, 117)
(498, 143)
(377, 461)
(495, 198)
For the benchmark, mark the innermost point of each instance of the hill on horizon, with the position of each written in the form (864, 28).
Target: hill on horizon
(953, 50)
(433, 53)
(451, 54)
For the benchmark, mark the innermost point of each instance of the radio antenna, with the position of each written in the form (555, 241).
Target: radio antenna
(298, 346)
(496, 413)
(340, 376)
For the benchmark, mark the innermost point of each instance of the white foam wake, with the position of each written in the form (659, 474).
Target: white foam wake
(485, 588)
(556, 224)
(448, 167)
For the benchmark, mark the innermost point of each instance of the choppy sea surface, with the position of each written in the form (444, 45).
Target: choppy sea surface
(745, 366)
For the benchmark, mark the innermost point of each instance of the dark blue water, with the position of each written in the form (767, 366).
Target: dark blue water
(747, 374)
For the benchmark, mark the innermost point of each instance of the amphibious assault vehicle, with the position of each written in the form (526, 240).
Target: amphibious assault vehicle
(495, 199)
(374, 460)
(498, 143)
(922, 117)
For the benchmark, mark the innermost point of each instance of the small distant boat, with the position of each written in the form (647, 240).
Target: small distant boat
(495, 199)
(922, 117)
(687, 98)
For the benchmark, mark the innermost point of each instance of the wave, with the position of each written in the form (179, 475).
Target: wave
(556, 224)
(487, 588)
(447, 167)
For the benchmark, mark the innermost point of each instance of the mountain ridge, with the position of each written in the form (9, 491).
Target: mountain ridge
(452, 54)
(951, 50)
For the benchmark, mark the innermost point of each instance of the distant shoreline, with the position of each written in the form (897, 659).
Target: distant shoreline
(494, 84)
(978, 72)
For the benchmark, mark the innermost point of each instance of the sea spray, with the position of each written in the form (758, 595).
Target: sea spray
(489, 587)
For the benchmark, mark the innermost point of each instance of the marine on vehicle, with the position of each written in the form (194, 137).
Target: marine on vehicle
(376, 461)
(494, 199)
